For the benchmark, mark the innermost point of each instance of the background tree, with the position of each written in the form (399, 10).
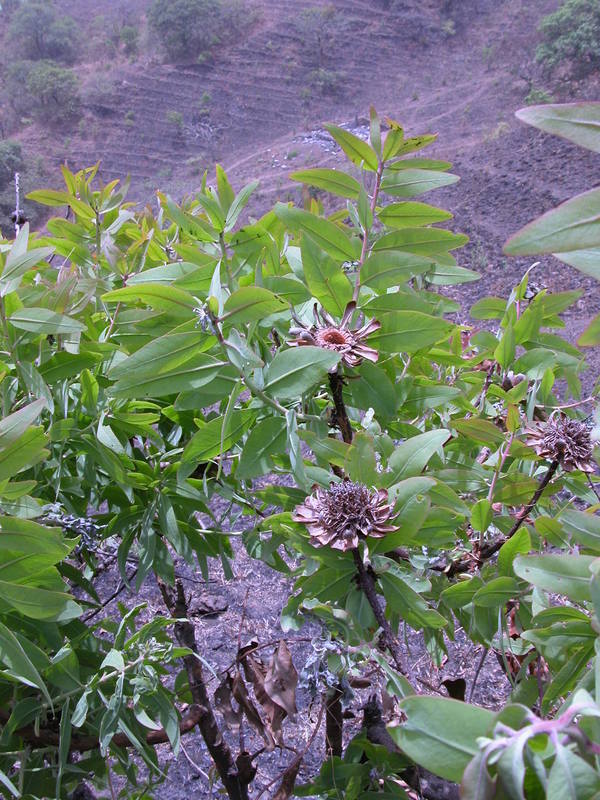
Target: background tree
(572, 32)
(186, 28)
(38, 32)
(53, 89)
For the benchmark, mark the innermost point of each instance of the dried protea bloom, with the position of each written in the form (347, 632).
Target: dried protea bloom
(343, 514)
(338, 336)
(564, 440)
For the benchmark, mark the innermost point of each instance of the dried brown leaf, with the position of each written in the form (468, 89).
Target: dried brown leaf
(240, 693)
(281, 680)
(223, 704)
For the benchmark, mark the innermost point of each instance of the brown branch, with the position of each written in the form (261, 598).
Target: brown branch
(340, 415)
(367, 584)
(47, 737)
(465, 563)
(234, 783)
(334, 723)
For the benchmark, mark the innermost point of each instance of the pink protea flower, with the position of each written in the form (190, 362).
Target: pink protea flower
(562, 439)
(338, 336)
(340, 516)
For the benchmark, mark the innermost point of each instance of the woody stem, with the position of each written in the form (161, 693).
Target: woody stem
(341, 420)
(366, 582)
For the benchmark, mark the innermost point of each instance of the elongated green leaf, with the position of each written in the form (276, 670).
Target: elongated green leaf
(441, 734)
(571, 778)
(292, 372)
(267, 438)
(591, 335)
(26, 536)
(423, 241)
(155, 295)
(332, 180)
(411, 607)
(16, 424)
(577, 122)
(413, 182)
(48, 197)
(332, 450)
(169, 364)
(450, 274)
(218, 436)
(407, 146)
(328, 236)
(574, 225)
(374, 390)
(325, 279)
(239, 203)
(40, 603)
(358, 151)
(480, 430)
(583, 528)
(562, 574)
(386, 268)
(586, 261)
(17, 265)
(497, 592)
(411, 215)
(26, 451)
(252, 303)
(409, 331)
(15, 658)
(43, 320)
(184, 274)
(411, 457)
(360, 464)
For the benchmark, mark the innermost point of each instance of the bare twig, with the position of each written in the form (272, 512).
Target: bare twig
(176, 602)
(367, 585)
(477, 671)
(340, 419)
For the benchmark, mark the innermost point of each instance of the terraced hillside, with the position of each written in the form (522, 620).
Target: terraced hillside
(457, 67)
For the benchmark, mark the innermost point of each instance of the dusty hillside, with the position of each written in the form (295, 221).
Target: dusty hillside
(457, 67)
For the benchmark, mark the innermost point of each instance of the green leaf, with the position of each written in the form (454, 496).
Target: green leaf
(403, 600)
(43, 320)
(577, 122)
(409, 331)
(15, 658)
(480, 430)
(267, 438)
(360, 464)
(488, 308)
(574, 225)
(519, 544)
(17, 265)
(571, 778)
(441, 734)
(373, 390)
(496, 593)
(39, 603)
(212, 440)
(582, 527)
(451, 275)
(250, 304)
(412, 456)
(422, 241)
(332, 450)
(411, 215)
(48, 197)
(292, 372)
(386, 268)
(328, 236)
(166, 365)
(413, 182)
(586, 261)
(332, 180)
(561, 574)
(591, 335)
(358, 151)
(239, 203)
(481, 515)
(505, 352)
(156, 295)
(15, 424)
(26, 451)
(413, 144)
(325, 279)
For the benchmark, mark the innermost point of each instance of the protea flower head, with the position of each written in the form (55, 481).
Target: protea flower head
(340, 516)
(338, 336)
(563, 439)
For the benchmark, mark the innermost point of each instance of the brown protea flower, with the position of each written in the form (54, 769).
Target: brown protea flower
(338, 336)
(563, 439)
(340, 516)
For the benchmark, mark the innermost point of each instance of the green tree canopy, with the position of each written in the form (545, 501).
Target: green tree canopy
(39, 32)
(572, 32)
(186, 28)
